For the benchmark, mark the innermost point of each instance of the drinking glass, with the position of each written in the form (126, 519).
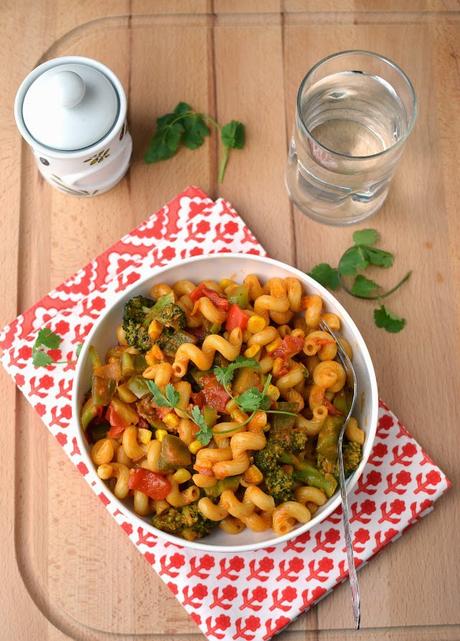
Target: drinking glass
(355, 110)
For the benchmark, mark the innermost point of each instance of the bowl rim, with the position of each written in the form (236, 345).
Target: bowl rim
(332, 504)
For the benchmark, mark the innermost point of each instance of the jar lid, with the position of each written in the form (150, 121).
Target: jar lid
(70, 106)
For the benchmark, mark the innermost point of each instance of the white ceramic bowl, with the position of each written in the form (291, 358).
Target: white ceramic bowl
(235, 266)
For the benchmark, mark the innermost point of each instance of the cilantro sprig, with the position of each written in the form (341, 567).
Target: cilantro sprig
(48, 340)
(170, 398)
(225, 375)
(184, 127)
(356, 259)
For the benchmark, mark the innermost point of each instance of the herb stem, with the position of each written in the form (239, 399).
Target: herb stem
(377, 296)
(223, 163)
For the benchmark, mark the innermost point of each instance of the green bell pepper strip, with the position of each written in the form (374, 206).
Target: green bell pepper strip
(239, 296)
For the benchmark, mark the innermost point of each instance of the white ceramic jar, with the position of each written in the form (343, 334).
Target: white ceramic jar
(72, 112)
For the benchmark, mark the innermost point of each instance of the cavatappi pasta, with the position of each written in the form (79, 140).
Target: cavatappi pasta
(220, 405)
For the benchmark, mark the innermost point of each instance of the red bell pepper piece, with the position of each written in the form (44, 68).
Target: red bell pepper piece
(214, 393)
(156, 486)
(290, 346)
(202, 290)
(117, 422)
(236, 318)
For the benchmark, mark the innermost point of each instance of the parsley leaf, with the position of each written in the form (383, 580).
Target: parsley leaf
(204, 434)
(366, 237)
(233, 136)
(326, 275)
(385, 319)
(379, 257)
(363, 287)
(353, 260)
(41, 359)
(225, 375)
(47, 338)
(169, 399)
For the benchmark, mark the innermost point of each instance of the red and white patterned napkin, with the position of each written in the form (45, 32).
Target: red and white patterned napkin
(250, 595)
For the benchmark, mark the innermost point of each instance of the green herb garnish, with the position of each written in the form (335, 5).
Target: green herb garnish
(224, 375)
(387, 320)
(204, 434)
(47, 339)
(171, 399)
(354, 260)
(188, 128)
(326, 275)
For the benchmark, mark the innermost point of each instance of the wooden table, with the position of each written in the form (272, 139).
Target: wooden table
(67, 570)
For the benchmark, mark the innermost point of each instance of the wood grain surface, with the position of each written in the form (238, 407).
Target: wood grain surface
(67, 571)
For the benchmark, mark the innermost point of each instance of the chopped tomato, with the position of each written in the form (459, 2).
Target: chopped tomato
(116, 431)
(214, 393)
(236, 318)
(156, 486)
(163, 411)
(202, 290)
(199, 399)
(290, 346)
(331, 409)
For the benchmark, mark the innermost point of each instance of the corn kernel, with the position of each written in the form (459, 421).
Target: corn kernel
(273, 392)
(182, 475)
(256, 323)
(226, 282)
(252, 351)
(160, 434)
(144, 435)
(155, 329)
(195, 446)
(273, 345)
(171, 420)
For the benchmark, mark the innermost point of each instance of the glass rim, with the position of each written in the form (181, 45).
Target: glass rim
(372, 54)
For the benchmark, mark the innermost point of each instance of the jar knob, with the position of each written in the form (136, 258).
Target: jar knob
(67, 88)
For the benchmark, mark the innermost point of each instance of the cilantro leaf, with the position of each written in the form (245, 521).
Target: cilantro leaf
(326, 275)
(379, 257)
(225, 375)
(204, 434)
(233, 135)
(47, 338)
(195, 131)
(366, 237)
(363, 287)
(385, 319)
(252, 400)
(166, 140)
(41, 359)
(171, 399)
(353, 260)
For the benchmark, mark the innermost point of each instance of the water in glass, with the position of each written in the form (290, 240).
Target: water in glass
(345, 145)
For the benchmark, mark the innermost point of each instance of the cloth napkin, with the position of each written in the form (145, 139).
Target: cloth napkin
(250, 595)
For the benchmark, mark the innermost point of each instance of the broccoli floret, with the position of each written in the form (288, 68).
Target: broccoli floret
(166, 312)
(134, 322)
(268, 458)
(139, 313)
(170, 340)
(352, 453)
(187, 522)
(280, 484)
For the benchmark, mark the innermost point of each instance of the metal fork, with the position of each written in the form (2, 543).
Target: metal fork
(351, 374)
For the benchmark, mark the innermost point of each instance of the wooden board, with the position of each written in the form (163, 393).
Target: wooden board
(67, 569)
